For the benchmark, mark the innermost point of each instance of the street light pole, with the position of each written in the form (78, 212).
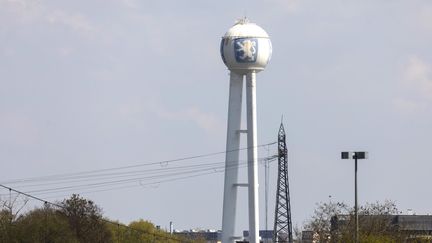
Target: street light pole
(355, 201)
(355, 156)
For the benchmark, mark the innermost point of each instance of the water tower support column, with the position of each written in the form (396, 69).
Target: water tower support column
(252, 157)
(232, 157)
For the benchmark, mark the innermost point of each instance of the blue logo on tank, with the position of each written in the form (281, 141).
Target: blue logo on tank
(246, 50)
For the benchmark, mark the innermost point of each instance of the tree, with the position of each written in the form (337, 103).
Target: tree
(334, 222)
(9, 211)
(375, 224)
(6, 227)
(142, 231)
(321, 219)
(85, 219)
(74, 220)
(44, 225)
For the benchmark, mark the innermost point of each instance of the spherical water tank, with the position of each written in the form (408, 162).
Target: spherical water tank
(246, 47)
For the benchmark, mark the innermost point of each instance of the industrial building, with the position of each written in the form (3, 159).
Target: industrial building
(411, 226)
(213, 236)
(209, 236)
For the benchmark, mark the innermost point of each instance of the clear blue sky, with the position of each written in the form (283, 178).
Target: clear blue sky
(87, 85)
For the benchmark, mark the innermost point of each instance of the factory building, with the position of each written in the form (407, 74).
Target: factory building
(213, 236)
(411, 226)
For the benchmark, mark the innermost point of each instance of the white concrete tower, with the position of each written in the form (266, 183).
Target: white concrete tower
(245, 49)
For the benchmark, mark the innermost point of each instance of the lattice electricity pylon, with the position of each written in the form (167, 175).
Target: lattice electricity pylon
(283, 224)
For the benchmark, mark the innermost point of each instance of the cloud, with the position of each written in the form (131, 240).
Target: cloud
(206, 121)
(64, 51)
(20, 3)
(22, 10)
(137, 110)
(129, 3)
(418, 77)
(32, 11)
(77, 22)
(289, 6)
(424, 18)
(17, 129)
(409, 107)
(415, 87)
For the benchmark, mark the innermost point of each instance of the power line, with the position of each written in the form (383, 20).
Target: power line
(125, 167)
(94, 177)
(190, 174)
(133, 186)
(103, 179)
(56, 191)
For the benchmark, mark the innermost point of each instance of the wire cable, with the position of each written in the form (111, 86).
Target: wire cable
(151, 180)
(216, 169)
(128, 166)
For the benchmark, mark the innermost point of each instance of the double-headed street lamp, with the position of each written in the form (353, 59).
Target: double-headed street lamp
(355, 156)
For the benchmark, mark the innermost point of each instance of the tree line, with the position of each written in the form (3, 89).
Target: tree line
(334, 222)
(73, 220)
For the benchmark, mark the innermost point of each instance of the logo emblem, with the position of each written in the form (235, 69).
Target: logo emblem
(246, 50)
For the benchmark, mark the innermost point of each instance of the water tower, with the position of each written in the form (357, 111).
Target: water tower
(245, 49)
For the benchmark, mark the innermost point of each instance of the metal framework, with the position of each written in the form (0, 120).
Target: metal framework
(283, 223)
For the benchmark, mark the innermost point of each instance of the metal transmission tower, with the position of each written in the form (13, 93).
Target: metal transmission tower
(283, 223)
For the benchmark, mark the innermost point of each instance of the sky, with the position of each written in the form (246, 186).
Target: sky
(91, 85)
